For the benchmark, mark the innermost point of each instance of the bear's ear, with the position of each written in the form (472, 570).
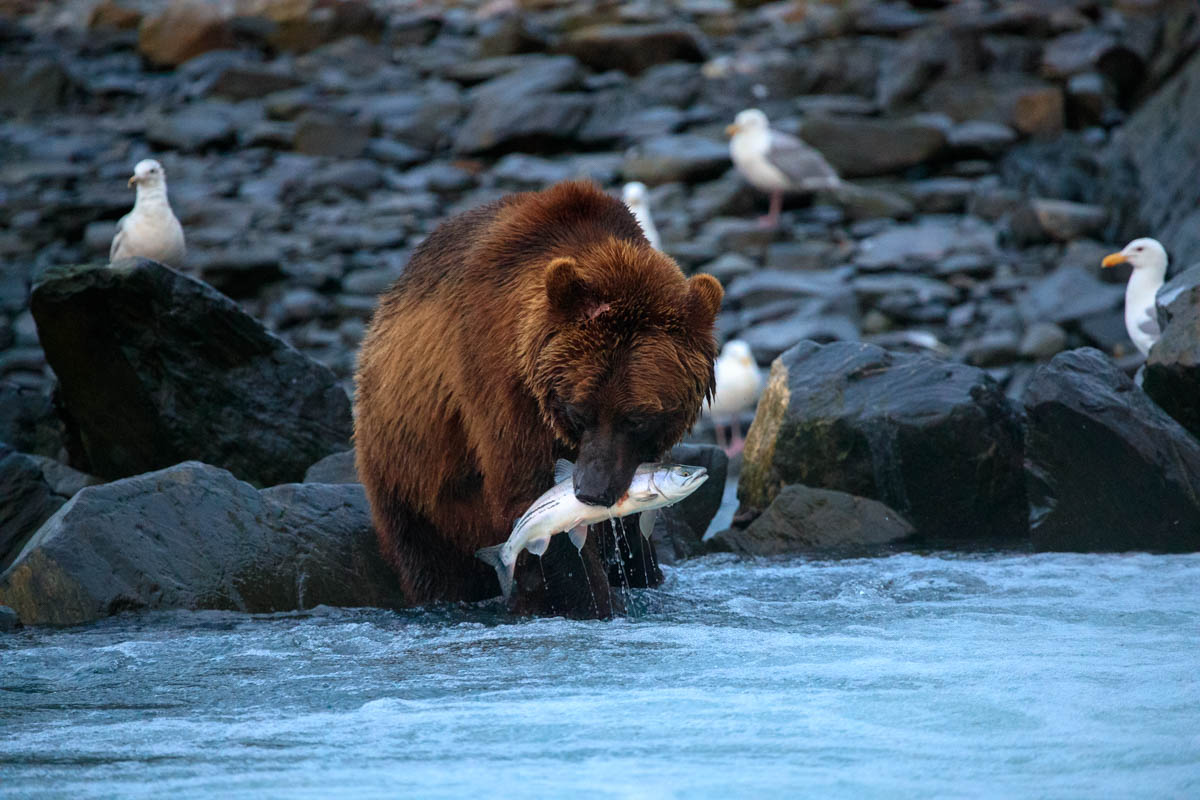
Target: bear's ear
(704, 300)
(565, 290)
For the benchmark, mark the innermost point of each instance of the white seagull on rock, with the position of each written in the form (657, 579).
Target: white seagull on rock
(150, 230)
(635, 197)
(738, 384)
(776, 162)
(1149, 262)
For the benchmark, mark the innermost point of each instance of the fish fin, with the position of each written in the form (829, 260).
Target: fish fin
(491, 557)
(563, 470)
(646, 522)
(538, 546)
(578, 535)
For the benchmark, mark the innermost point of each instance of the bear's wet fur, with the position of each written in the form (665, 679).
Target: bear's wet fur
(537, 327)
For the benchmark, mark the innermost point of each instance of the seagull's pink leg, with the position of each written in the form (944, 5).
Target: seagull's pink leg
(771, 220)
(719, 433)
(738, 443)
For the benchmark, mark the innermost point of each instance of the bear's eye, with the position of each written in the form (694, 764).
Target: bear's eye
(575, 419)
(643, 426)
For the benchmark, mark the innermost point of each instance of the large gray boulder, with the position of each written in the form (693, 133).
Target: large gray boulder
(195, 537)
(155, 367)
(935, 441)
(1172, 376)
(1109, 470)
(803, 520)
(32, 488)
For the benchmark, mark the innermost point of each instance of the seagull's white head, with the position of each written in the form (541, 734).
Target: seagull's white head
(749, 121)
(148, 173)
(1144, 254)
(634, 194)
(738, 352)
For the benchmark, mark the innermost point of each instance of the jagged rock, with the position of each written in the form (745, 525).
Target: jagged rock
(31, 489)
(1109, 470)
(524, 122)
(1069, 294)
(858, 147)
(184, 30)
(801, 519)
(665, 159)
(936, 441)
(194, 537)
(1172, 375)
(155, 367)
(634, 48)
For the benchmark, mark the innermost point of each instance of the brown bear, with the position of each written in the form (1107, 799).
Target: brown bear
(539, 326)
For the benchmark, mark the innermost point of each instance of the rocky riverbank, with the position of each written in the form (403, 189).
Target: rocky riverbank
(925, 325)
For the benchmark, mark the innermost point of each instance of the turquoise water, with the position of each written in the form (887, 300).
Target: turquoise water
(905, 676)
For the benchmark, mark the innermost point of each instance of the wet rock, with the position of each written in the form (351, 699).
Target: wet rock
(1039, 112)
(194, 537)
(184, 30)
(1068, 295)
(1109, 470)
(1064, 221)
(858, 147)
(767, 340)
(766, 286)
(192, 375)
(9, 621)
(536, 74)
(320, 133)
(802, 520)
(634, 48)
(679, 529)
(31, 489)
(935, 441)
(335, 468)
(685, 158)
(924, 243)
(1172, 375)
(526, 122)
(1042, 340)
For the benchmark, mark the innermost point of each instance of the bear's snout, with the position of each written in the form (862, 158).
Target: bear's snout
(605, 466)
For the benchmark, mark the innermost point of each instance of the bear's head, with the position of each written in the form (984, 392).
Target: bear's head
(619, 354)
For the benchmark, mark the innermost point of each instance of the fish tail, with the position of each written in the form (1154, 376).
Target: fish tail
(491, 557)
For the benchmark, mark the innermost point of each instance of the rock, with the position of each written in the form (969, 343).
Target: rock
(1042, 340)
(247, 81)
(31, 489)
(858, 147)
(187, 373)
(934, 440)
(185, 29)
(1154, 142)
(320, 133)
(679, 529)
(925, 243)
(993, 348)
(666, 159)
(941, 195)
(9, 621)
(29, 421)
(802, 520)
(1068, 295)
(1172, 375)
(335, 468)
(1075, 52)
(109, 15)
(33, 86)
(1064, 221)
(1089, 98)
(1109, 470)
(871, 202)
(194, 537)
(193, 129)
(525, 123)
(766, 285)
(1039, 112)
(768, 340)
(980, 138)
(535, 75)
(634, 48)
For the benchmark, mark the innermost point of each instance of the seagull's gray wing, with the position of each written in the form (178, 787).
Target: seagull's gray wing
(804, 167)
(1148, 324)
(116, 242)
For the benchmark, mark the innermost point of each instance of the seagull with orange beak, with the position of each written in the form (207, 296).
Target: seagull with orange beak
(151, 229)
(775, 162)
(1149, 262)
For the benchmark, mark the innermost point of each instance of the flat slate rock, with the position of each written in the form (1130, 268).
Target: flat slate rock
(195, 537)
(155, 367)
(1108, 469)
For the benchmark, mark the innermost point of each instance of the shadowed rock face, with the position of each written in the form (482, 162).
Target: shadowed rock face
(934, 440)
(155, 368)
(195, 537)
(1109, 470)
(1173, 368)
(32, 488)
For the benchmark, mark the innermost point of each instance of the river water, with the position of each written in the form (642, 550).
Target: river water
(1007, 675)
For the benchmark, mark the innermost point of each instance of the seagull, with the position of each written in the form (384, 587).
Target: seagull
(634, 195)
(150, 230)
(1149, 262)
(776, 162)
(739, 382)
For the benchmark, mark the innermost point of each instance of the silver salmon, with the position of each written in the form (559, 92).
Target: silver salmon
(557, 511)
